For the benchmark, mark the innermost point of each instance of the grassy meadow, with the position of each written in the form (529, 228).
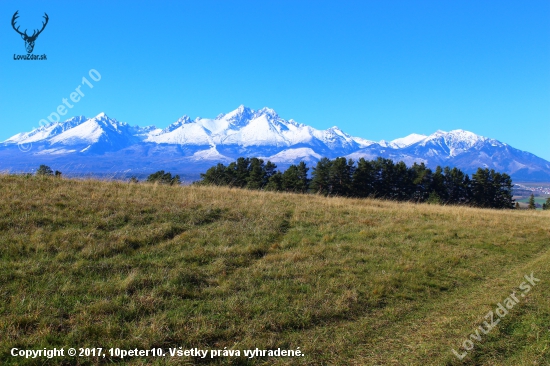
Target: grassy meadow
(348, 281)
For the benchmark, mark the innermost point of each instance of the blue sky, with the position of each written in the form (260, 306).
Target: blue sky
(377, 69)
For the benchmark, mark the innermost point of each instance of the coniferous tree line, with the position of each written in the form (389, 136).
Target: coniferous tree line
(380, 178)
(162, 178)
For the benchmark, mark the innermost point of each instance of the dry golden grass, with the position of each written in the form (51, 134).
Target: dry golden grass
(349, 281)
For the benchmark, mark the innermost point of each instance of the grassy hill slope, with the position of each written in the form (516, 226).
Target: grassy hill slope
(348, 281)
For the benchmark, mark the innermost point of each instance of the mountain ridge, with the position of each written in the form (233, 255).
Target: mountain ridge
(195, 144)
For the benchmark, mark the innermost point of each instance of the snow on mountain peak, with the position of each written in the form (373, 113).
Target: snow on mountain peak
(438, 133)
(243, 131)
(85, 133)
(243, 114)
(75, 120)
(181, 121)
(462, 138)
(267, 112)
(455, 142)
(413, 138)
(239, 115)
(294, 123)
(363, 142)
(465, 135)
(46, 131)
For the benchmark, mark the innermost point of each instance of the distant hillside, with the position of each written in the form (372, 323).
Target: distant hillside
(345, 281)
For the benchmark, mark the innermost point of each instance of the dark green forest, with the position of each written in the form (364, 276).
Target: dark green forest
(380, 178)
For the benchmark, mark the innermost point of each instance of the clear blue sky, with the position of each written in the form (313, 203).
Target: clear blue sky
(377, 69)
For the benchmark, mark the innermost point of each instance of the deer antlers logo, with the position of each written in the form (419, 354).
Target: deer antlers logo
(29, 40)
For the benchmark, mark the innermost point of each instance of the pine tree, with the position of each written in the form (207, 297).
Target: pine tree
(454, 185)
(546, 205)
(403, 186)
(257, 176)
(340, 176)
(216, 175)
(176, 180)
(290, 179)
(438, 184)
(481, 193)
(295, 179)
(532, 204)
(275, 182)
(434, 198)
(363, 178)
(44, 170)
(161, 177)
(302, 184)
(269, 170)
(242, 171)
(231, 174)
(502, 190)
(320, 182)
(466, 197)
(383, 177)
(237, 173)
(422, 182)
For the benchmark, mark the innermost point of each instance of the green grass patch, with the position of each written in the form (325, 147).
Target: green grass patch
(349, 281)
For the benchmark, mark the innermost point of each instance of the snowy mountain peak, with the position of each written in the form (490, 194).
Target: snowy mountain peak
(110, 123)
(104, 119)
(183, 120)
(69, 123)
(457, 138)
(267, 112)
(294, 123)
(413, 138)
(45, 132)
(75, 120)
(239, 116)
(465, 135)
(100, 141)
(437, 133)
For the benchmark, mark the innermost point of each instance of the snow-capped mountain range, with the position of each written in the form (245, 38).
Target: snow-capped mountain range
(102, 145)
